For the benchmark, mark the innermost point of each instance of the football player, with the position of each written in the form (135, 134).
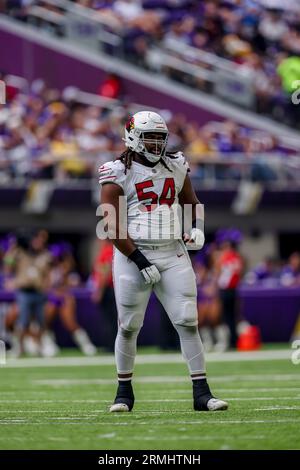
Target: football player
(152, 255)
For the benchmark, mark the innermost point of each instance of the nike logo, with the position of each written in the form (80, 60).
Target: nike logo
(179, 256)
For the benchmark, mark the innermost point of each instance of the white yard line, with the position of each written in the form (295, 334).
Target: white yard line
(79, 418)
(271, 389)
(58, 439)
(277, 408)
(149, 400)
(175, 412)
(189, 438)
(178, 391)
(114, 436)
(168, 379)
(153, 423)
(257, 390)
(49, 401)
(261, 398)
(173, 358)
(86, 413)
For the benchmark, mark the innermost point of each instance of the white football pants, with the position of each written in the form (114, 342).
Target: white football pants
(177, 293)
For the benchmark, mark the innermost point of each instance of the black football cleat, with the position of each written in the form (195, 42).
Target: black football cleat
(204, 400)
(124, 400)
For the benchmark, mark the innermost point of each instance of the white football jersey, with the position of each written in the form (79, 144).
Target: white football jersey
(152, 197)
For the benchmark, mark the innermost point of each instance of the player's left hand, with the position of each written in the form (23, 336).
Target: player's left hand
(195, 240)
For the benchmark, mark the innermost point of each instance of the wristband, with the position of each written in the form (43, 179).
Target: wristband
(139, 259)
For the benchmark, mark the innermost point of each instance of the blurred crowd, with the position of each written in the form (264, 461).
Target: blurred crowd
(272, 272)
(42, 277)
(260, 37)
(50, 134)
(220, 271)
(43, 134)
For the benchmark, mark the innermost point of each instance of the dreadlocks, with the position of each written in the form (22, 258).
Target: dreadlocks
(127, 158)
(165, 165)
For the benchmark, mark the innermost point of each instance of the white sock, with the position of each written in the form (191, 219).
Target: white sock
(192, 349)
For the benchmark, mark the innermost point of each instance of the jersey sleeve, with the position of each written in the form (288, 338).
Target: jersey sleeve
(180, 167)
(112, 172)
(182, 163)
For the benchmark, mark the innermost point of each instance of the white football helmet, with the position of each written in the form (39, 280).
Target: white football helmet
(146, 133)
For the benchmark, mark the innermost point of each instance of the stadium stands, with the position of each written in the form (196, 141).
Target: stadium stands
(242, 51)
(65, 135)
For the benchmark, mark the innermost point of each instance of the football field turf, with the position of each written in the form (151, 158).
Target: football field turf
(62, 403)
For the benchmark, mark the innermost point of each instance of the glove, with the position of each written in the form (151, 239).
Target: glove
(195, 240)
(151, 274)
(149, 271)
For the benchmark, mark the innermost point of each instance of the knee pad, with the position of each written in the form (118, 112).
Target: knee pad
(186, 331)
(188, 299)
(129, 299)
(128, 291)
(127, 334)
(188, 315)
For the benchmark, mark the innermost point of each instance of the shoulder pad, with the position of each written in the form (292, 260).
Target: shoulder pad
(174, 155)
(112, 172)
(180, 161)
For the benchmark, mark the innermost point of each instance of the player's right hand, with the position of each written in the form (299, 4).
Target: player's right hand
(149, 271)
(151, 274)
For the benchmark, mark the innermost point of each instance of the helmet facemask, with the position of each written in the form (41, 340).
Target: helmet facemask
(153, 145)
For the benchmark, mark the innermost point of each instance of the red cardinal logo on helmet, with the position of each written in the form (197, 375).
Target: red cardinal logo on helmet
(130, 124)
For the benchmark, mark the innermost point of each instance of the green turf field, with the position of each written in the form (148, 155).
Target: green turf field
(62, 403)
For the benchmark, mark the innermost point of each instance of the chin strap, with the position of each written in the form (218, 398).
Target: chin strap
(150, 158)
(147, 160)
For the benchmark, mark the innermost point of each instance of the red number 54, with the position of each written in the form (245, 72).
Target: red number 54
(167, 196)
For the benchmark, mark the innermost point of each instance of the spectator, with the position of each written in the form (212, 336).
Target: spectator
(290, 274)
(29, 261)
(209, 307)
(111, 87)
(263, 273)
(62, 302)
(229, 269)
(103, 293)
(272, 26)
